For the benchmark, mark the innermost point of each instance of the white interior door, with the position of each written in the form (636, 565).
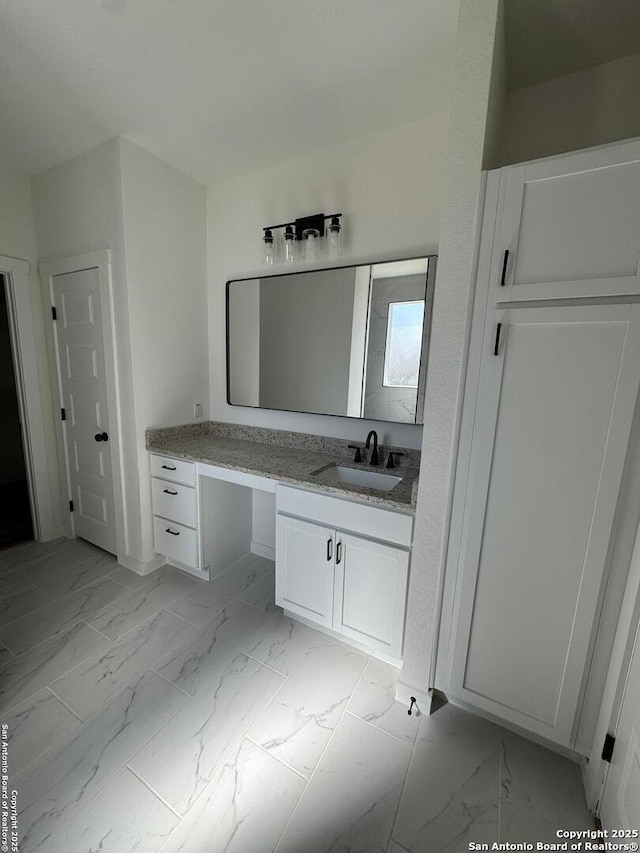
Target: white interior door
(79, 340)
(557, 395)
(621, 800)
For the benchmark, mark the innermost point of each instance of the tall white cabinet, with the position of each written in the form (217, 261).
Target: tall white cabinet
(548, 423)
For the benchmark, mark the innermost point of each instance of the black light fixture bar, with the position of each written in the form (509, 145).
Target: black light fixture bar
(316, 221)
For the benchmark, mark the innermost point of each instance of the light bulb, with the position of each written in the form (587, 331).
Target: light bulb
(269, 249)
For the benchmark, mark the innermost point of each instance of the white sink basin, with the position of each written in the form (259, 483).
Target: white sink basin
(358, 477)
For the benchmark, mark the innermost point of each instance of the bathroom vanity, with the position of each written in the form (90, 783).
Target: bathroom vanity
(342, 545)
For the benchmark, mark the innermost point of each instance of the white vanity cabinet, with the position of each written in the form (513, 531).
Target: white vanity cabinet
(174, 499)
(350, 583)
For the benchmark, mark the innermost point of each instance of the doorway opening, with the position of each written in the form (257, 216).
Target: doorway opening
(16, 523)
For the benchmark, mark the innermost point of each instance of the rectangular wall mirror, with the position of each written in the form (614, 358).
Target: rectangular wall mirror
(348, 341)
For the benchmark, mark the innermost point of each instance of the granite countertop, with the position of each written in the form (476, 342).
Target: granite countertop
(287, 457)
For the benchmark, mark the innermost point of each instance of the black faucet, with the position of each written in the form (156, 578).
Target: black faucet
(374, 453)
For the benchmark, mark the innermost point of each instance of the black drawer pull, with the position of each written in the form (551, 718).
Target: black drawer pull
(503, 279)
(169, 468)
(329, 550)
(338, 553)
(496, 349)
(169, 492)
(172, 532)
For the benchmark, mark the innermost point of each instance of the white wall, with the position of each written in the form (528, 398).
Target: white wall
(591, 107)
(159, 289)
(165, 243)
(449, 332)
(78, 208)
(390, 188)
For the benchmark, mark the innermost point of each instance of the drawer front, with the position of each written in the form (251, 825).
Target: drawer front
(176, 541)
(174, 502)
(176, 470)
(371, 521)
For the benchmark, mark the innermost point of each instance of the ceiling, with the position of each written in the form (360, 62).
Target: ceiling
(549, 38)
(216, 87)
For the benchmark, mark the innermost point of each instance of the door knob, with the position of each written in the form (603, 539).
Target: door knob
(102, 436)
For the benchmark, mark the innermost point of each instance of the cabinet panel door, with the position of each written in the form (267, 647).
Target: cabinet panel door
(371, 585)
(571, 226)
(305, 569)
(552, 428)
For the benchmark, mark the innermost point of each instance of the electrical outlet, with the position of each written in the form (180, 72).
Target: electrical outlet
(197, 410)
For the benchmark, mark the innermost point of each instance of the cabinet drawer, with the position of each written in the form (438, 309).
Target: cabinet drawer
(175, 541)
(176, 470)
(372, 521)
(174, 501)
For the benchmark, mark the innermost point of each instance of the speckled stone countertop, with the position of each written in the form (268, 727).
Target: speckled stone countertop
(288, 457)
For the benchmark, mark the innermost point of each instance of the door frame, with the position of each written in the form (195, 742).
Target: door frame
(100, 260)
(25, 364)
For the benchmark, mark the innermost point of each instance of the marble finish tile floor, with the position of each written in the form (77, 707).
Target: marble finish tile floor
(166, 715)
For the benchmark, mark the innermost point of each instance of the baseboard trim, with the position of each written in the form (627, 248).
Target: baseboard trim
(261, 550)
(141, 567)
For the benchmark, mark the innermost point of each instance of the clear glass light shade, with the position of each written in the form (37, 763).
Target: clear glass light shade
(311, 244)
(334, 239)
(268, 248)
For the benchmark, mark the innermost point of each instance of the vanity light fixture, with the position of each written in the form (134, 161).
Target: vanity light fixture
(304, 239)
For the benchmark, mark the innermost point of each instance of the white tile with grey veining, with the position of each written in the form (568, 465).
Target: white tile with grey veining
(283, 642)
(34, 726)
(179, 762)
(124, 816)
(257, 561)
(95, 681)
(297, 724)
(21, 604)
(24, 675)
(21, 555)
(66, 777)
(57, 616)
(518, 825)
(374, 701)
(74, 576)
(197, 662)
(350, 802)
(542, 781)
(136, 607)
(203, 602)
(132, 580)
(262, 594)
(451, 794)
(243, 809)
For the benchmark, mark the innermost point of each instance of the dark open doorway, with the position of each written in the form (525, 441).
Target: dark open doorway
(15, 511)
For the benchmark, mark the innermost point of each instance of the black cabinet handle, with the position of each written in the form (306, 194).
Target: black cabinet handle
(98, 436)
(172, 532)
(329, 550)
(503, 278)
(338, 553)
(102, 436)
(169, 492)
(169, 468)
(496, 349)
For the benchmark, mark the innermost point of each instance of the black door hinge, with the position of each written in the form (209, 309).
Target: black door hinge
(63, 415)
(70, 506)
(607, 749)
(54, 313)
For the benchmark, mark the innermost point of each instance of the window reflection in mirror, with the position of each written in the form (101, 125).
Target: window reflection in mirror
(344, 341)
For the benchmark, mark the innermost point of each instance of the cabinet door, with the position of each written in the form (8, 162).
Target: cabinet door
(305, 569)
(571, 227)
(551, 432)
(370, 593)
